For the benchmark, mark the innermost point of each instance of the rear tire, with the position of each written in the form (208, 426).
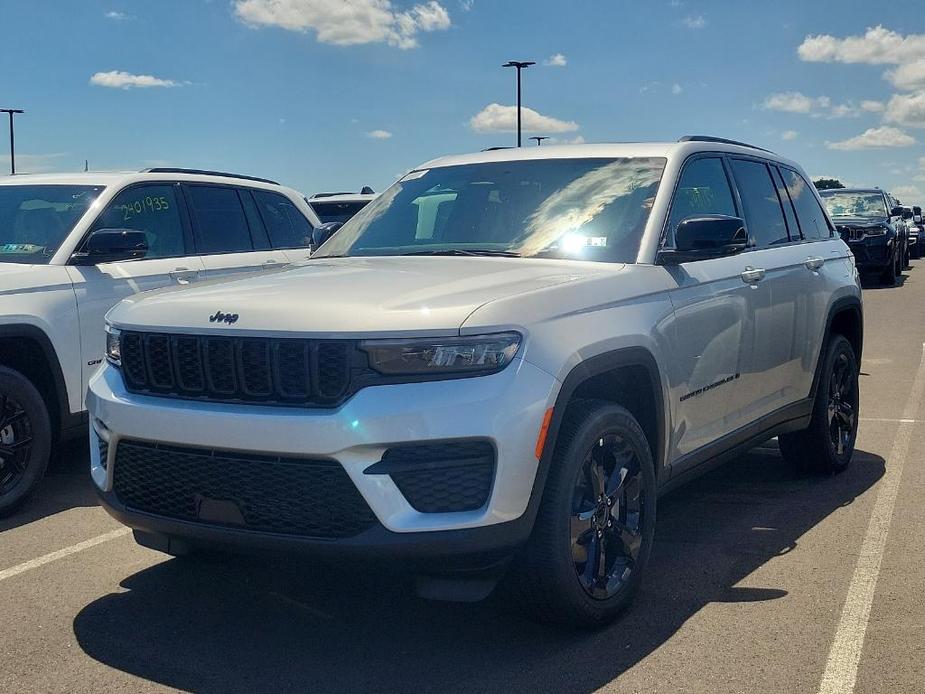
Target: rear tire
(25, 439)
(595, 526)
(827, 445)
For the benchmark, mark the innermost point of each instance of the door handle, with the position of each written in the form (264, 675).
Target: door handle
(752, 275)
(183, 275)
(814, 264)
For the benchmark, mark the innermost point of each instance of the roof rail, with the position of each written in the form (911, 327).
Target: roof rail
(495, 149)
(315, 196)
(206, 172)
(721, 140)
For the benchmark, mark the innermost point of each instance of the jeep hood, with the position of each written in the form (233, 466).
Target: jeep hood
(16, 277)
(351, 297)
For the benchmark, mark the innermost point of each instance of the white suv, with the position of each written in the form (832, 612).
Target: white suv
(517, 352)
(74, 245)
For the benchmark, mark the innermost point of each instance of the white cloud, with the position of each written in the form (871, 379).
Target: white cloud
(379, 134)
(118, 79)
(908, 76)
(694, 22)
(906, 109)
(818, 106)
(466, 5)
(116, 15)
(31, 163)
(577, 140)
(872, 106)
(556, 60)
(878, 46)
(347, 23)
(908, 193)
(875, 138)
(789, 135)
(496, 118)
(676, 88)
(795, 102)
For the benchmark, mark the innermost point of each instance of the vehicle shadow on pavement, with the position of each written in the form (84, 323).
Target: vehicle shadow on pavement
(246, 626)
(66, 485)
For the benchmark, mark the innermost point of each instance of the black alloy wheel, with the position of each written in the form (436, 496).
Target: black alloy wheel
(607, 517)
(842, 409)
(15, 442)
(25, 439)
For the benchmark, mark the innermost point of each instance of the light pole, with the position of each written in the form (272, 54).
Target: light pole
(520, 65)
(539, 140)
(11, 111)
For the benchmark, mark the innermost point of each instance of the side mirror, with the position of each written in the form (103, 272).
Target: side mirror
(907, 213)
(324, 232)
(110, 245)
(917, 218)
(707, 236)
(896, 212)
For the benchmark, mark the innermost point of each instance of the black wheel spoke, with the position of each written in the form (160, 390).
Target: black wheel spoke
(15, 442)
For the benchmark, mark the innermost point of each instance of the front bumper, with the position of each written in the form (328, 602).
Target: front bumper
(506, 409)
(873, 253)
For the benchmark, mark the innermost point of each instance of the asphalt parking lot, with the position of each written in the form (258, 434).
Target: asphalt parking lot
(761, 580)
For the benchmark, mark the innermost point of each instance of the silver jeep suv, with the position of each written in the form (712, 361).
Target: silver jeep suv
(513, 355)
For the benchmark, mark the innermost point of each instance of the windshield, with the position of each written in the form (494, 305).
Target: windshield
(337, 211)
(855, 204)
(589, 209)
(34, 220)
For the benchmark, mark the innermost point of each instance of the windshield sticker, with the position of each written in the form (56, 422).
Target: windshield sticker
(21, 248)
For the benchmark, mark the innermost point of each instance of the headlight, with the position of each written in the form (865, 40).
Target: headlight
(875, 231)
(113, 346)
(479, 354)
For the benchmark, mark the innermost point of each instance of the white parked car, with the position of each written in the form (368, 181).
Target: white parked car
(516, 353)
(337, 208)
(73, 245)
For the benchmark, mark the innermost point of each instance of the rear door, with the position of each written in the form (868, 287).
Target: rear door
(719, 305)
(156, 209)
(229, 232)
(825, 268)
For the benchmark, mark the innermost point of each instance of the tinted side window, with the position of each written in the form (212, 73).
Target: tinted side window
(702, 189)
(220, 220)
(810, 215)
(286, 226)
(763, 212)
(151, 209)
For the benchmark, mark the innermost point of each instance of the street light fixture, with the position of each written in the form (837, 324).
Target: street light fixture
(539, 140)
(11, 111)
(520, 65)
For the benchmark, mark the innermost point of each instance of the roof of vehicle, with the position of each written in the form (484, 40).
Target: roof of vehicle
(343, 197)
(108, 178)
(832, 191)
(606, 150)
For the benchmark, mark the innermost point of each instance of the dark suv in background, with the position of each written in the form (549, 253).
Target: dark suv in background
(873, 225)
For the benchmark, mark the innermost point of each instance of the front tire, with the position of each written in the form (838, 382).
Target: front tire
(25, 439)
(827, 445)
(596, 522)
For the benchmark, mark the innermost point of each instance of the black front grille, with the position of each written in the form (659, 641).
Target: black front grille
(239, 369)
(103, 447)
(442, 477)
(291, 496)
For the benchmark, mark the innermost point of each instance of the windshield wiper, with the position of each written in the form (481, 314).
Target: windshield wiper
(468, 251)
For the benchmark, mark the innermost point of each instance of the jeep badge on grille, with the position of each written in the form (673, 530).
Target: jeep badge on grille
(219, 317)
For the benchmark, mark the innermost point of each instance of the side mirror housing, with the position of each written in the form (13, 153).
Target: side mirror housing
(324, 232)
(896, 212)
(917, 218)
(706, 236)
(907, 213)
(110, 245)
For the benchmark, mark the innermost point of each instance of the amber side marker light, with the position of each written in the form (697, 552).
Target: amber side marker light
(544, 429)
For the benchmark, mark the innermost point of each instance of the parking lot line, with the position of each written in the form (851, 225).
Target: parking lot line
(887, 419)
(61, 553)
(841, 668)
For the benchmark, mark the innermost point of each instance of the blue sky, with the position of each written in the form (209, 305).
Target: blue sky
(337, 94)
